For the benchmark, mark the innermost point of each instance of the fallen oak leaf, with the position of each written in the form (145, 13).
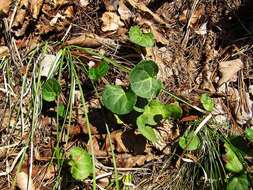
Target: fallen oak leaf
(111, 21)
(229, 69)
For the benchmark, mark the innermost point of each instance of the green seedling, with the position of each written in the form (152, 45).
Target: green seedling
(233, 163)
(240, 182)
(142, 39)
(189, 141)
(143, 83)
(51, 90)
(249, 134)
(80, 162)
(98, 71)
(207, 102)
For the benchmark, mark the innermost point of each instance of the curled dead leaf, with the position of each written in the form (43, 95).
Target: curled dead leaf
(23, 183)
(111, 21)
(229, 69)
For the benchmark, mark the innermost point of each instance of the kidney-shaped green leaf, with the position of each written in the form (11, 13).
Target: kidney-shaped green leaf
(142, 39)
(143, 79)
(50, 90)
(174, 110)
(80, 163)
(249, 134)
(117, 100)
(207, 102)
(238, 183)
(99, 71)
(233, 163)
(155, 108)
(189, 141)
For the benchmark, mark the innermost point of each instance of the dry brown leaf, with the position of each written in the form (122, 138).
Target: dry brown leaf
(23, 3)
(202, 29)
(207, 83)
(47, 64)
(195, 17)
(90, 40)
(111, 5)
(129, 161)
(22, 30)
(22, 181)
(166, 134)
(141, 6)
(94, 144)
(111, 21)
(124, 12)
(69, 12)
(116, 138)
(84, 3)
(4, 51)
(20, 17)
(5, 6)
(35, 7)
(229, 69)
(60, 2)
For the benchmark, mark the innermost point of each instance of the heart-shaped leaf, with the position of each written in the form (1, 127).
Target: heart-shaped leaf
(142, 39)
(240, 182)
(189, 141)
(117, 100)
(249, 134)
(155, 108)
(233, 163)
(143, 81)
(98, 71)
(207, 102)
(174, 110)
(81, 163)
(51, 90)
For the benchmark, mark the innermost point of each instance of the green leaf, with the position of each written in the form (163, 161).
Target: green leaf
(142, 39)
(143, 81)
(99, 71)
(189, 141)
(155, 108)
(174, 110)
(233, 163)
(238, 183)
(249, 134)
(81, 163)
(51, 90)
(207, 102)
(61, 110)
(148, 132)
(117, 100)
